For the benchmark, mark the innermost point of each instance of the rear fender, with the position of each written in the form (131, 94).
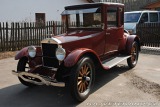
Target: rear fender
(77, 54)
(130, 40)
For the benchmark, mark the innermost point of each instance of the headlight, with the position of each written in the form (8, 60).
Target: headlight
(32, 51)
(60, 54)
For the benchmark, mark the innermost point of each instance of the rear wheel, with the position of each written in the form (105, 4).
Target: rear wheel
(24, 66)
(82, 79)
(132, 61)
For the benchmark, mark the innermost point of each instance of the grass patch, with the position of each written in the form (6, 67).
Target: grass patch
(8, 54)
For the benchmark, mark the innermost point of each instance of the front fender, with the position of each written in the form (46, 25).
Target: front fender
(75, 55)
(24, 53)
(130, 40)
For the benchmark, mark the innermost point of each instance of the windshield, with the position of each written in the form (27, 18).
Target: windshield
(84, 18)
(131, 17)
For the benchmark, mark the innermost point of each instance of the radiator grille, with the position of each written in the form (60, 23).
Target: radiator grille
(49, 57)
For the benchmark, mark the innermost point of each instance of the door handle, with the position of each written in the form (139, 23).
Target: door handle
(107, 33)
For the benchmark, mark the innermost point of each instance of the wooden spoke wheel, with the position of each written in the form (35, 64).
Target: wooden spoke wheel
(82, 79)
(132, 61)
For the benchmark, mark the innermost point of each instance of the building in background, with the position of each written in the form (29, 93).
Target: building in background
(34, 10)
(153, 6)
(47, 10)
(134, 5)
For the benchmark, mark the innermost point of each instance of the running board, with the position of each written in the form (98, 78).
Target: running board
(111, 63)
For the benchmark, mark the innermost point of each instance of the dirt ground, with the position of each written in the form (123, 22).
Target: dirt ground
(9, 54)
(117, 87)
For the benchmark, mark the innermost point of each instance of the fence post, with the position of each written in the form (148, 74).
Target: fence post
(15, 42)
(1, 38)
(6, 42)
(18, 34)
(34, 34)
(54, 28)
(21, 30)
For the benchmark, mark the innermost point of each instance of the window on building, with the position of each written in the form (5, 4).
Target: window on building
(40, 19)
(153, 17)
(112, 16)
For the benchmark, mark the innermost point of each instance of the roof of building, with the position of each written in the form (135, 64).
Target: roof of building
(94, 4)
(154, 4)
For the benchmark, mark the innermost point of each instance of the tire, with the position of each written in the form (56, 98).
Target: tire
(22, 65)
(82, 79)
(132, 61)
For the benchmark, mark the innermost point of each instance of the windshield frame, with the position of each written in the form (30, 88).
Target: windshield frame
(96, 9)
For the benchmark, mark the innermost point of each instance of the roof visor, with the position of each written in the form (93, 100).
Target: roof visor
(91, 10)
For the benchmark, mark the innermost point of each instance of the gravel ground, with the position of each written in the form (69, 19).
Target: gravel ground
(117, 87)
(144, 85)
(150, 50)
(9, 54)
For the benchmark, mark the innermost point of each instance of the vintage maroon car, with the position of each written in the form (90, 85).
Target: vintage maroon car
(96, 41)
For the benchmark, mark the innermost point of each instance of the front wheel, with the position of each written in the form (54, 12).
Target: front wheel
(132, 61)
(82, 79)
(24, 66)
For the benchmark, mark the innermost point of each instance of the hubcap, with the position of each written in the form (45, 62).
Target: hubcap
(84, 78)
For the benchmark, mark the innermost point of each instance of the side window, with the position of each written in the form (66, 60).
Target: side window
(112, 17)
(121, 16)
(144, 18)
(153, 17)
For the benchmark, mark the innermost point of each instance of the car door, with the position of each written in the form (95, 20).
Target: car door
(111, 45)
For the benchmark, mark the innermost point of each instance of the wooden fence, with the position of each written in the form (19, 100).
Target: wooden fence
(149, 34)
(15, 36)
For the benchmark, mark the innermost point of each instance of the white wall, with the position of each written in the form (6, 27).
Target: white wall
(24, 10)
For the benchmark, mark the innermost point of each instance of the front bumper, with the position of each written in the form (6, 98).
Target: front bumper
(42, 80)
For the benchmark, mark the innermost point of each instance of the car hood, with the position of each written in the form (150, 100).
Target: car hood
(79, 39)
(76, 36)
(129, 26)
